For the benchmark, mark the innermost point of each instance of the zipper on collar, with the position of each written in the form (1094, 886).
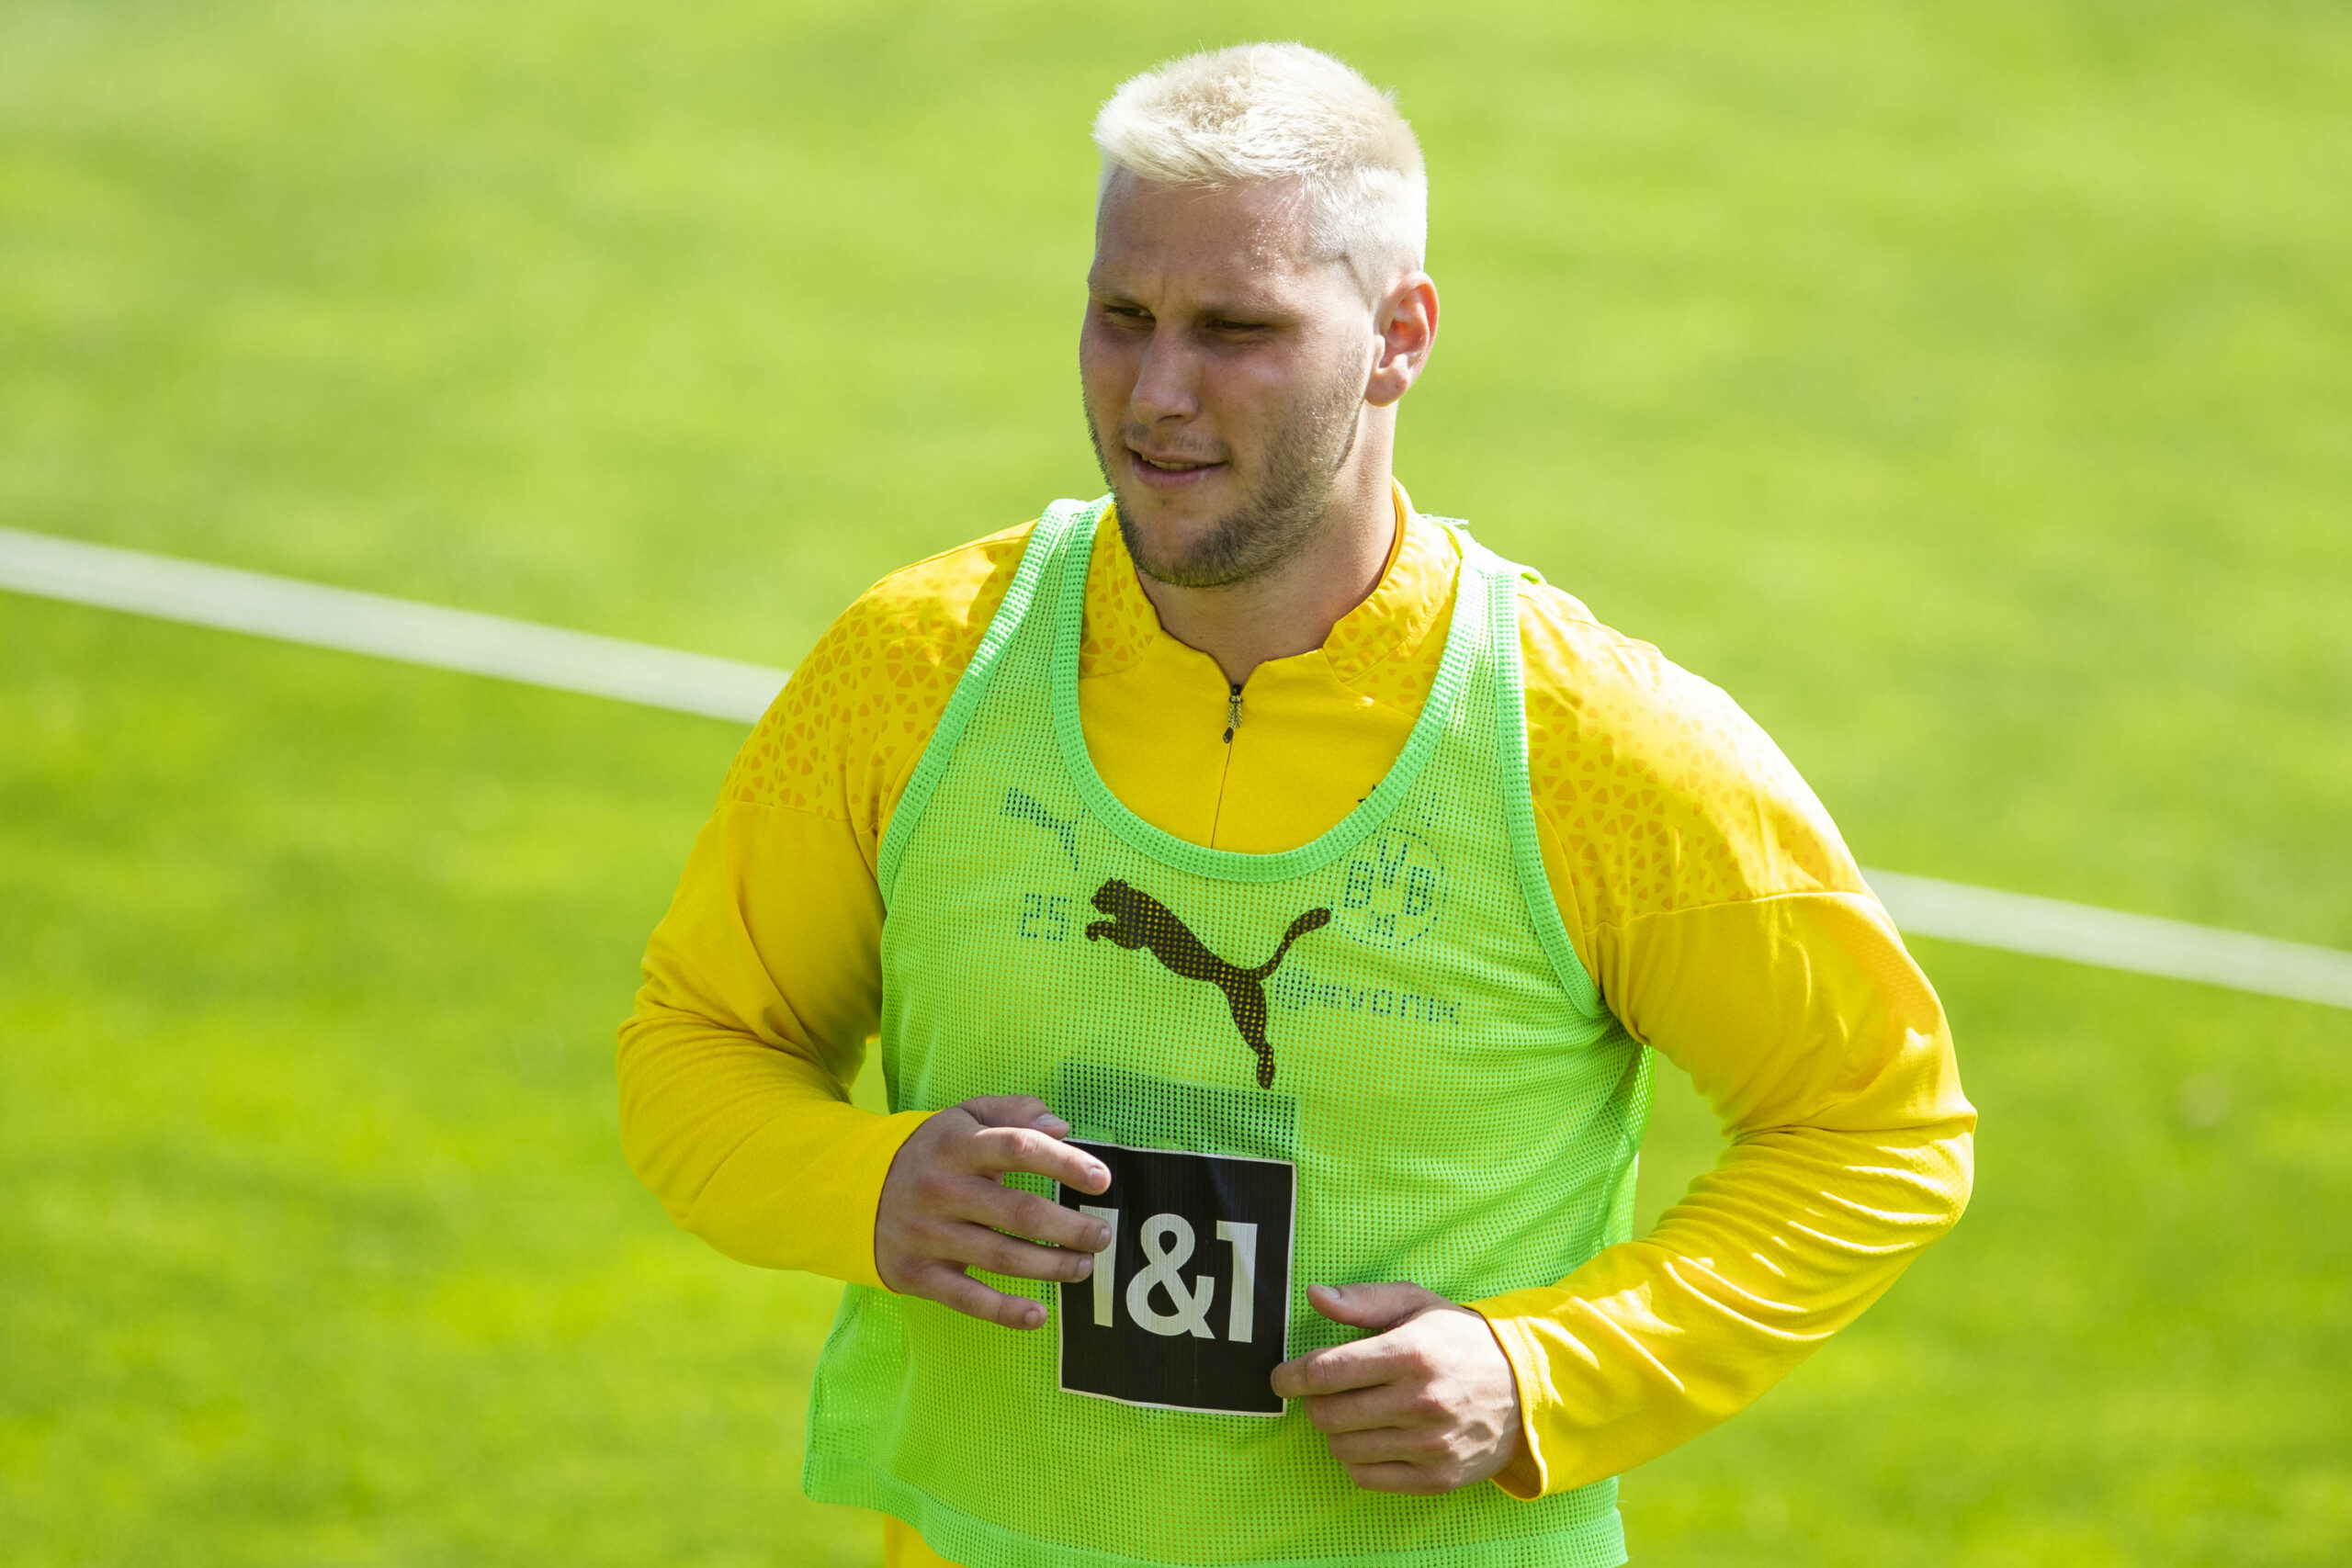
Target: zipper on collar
(1232, 711)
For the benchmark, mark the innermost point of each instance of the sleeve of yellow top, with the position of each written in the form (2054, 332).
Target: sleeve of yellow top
(761, 985)
(1826, 1054)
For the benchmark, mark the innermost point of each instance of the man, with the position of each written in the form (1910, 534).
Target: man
(1268, 901)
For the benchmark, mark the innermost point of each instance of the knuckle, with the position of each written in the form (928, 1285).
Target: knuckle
(1412, 1478)
(1016, 1213)
(970, 1297)
(932, 1187)
(1013, 1259)
(963, 1245)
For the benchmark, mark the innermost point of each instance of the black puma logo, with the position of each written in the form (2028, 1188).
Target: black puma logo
(1138, 919)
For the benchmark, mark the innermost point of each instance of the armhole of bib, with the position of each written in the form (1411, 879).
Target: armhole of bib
(1045, 541)
(1518, 790)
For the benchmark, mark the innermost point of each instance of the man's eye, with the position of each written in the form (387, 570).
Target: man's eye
(1237, 326)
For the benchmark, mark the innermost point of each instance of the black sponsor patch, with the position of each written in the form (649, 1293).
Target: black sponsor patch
(1189, 1306)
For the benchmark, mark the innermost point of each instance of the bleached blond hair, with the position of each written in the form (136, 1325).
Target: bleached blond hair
(1262, 112)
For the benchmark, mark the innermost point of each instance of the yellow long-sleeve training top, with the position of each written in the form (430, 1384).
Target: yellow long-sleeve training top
(1702, 885)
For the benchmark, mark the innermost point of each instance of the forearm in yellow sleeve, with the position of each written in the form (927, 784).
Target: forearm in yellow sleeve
(1826, 1054)
(761, 985)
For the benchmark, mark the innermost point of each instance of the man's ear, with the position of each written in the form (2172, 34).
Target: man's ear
(1407, 324)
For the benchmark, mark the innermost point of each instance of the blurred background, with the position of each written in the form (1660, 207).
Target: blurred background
(1967, 388)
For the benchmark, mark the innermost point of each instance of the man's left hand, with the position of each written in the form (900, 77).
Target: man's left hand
(1425, 1404)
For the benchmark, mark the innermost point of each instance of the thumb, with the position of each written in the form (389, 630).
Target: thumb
(1378, 1307)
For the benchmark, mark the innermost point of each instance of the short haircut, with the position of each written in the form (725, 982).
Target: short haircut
(1261, 112)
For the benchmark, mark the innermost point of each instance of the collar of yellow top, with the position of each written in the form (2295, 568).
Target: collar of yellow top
(1410, 600)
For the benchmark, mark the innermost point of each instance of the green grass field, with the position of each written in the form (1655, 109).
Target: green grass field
(1968, 389)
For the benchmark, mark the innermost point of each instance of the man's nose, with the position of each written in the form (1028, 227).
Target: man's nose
(1167, 382)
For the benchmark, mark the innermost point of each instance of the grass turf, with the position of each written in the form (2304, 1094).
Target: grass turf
(1969, 393)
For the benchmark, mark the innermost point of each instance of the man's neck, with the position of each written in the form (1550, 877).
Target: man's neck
(1292, 609)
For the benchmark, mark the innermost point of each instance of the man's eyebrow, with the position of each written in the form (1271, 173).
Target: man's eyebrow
(1255, 308)
(1247, 309)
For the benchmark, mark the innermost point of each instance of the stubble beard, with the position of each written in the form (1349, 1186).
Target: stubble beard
(1279, 515)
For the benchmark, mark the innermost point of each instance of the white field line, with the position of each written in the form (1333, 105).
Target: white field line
(721, 688)
(310, 613)
(2019, 923)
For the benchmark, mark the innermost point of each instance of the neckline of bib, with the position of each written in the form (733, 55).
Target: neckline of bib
(1072, 556)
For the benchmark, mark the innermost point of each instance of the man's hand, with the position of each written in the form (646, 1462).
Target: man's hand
(945, 1208)
(1427, 1404)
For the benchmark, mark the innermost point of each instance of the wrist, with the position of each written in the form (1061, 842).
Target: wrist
(1523, 1475)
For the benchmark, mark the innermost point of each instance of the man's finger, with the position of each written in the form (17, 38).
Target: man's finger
(953, 1288)
(1367, 1363)
(999, 1150)
(1368, 1409)
(982, 1248)
(1390, 1445)
(1016, 1213)
(1411, 1479)
(1014, 1110)
(1378, 1305)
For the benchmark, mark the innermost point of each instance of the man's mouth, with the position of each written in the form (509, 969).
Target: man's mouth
(1166, 469)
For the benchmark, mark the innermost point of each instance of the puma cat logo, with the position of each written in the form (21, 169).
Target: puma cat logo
(1019, 804)
(1138, 919)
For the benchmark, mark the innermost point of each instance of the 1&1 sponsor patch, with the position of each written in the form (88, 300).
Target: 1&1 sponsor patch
(1189, 1306)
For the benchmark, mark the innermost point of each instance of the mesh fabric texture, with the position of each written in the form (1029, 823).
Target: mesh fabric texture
(1393, 1006)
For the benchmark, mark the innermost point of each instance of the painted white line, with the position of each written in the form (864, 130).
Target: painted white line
(2047, 927)
(721, 688)
(310, 613)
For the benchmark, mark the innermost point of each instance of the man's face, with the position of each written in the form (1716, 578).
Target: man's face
(1223, 372)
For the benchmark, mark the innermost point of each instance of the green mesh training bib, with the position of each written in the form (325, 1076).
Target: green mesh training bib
(1384, 1033)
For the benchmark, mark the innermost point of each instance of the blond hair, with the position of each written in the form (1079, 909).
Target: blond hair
(1262, 112)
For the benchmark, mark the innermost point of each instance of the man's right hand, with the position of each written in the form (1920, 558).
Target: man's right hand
(945, 1208)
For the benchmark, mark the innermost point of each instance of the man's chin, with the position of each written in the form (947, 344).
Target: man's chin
(1170, 526)
(1183, 546)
